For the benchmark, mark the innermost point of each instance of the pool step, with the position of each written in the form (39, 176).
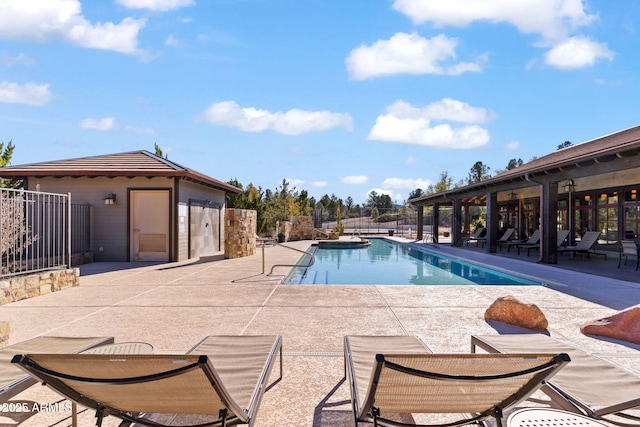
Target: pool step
(320, 277)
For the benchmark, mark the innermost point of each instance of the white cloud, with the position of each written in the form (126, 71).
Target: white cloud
(141, 130)
(394, 196)
(28, 93)
(19, 59)
(158, 5)
(577, 52)
(293, 182)
(292, 122)
(552, 19)
(319, 184)
(354, 179)
(555, 21)
(407, 54)
(47, 20)
(412, 161)
(172, 41)
(404, 123)
(513, 145)
(102, 125)
(404, 183)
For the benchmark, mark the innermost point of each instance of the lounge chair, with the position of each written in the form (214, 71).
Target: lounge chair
(399, 375)
(629, 248)
(588, 385)
(14, 380)
(222, 377)
(476, 236)
(561, 237)
(534, 239)
(506, 237)
(585, 245)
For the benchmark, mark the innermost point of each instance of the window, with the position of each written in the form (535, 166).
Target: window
(582, 207)
(631, 214)
(607, 208)
(530, 216)
(508, 216)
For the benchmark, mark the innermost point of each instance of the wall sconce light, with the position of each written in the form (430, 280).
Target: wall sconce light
(513, 196)
(569, 186)
(110, 199)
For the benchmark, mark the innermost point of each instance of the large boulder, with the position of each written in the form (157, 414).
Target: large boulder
(509, 310)
(624, 326)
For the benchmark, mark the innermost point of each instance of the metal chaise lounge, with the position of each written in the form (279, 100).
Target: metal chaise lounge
(475, 237)
(629, 248)
(222, 378)
(533, 240)
(585, 245)
(506, 237)
(588, 385)
(14, 380)
(400, 375)
(561, 237)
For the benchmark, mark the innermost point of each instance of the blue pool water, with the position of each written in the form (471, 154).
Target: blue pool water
(386, 262)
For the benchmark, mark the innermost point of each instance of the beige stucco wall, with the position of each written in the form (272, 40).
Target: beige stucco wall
(110, 232)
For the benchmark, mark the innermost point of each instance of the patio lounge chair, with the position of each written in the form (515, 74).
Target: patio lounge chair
(398, 375)
(222, 378)
(561, 237)
(13, 380)
(533, 240)
(506, 236)
(585, 245)
(476, 236)
(629, 248)
(588, 385)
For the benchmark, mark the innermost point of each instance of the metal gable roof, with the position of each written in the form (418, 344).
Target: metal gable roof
(129, 164)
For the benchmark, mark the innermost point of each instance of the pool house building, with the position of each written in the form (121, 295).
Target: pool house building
(591, 186)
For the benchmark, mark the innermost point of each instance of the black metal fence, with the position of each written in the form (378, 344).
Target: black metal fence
(402, 221)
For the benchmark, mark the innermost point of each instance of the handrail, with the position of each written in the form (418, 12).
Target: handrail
(311, 261)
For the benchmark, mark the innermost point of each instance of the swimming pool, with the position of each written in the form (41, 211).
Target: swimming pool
(387, 262)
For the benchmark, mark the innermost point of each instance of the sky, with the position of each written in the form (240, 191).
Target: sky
(337, 97)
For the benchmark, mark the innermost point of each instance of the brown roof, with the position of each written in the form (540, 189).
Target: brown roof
(622, 144)
(130, 164)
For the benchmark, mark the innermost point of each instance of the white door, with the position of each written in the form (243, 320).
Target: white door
(150, 225)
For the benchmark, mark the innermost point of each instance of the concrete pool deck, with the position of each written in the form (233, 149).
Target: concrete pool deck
(175, 305)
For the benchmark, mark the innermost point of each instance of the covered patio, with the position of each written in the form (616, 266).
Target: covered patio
(592, 186)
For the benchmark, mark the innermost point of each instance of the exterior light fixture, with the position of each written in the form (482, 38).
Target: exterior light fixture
(569, 186)
(110, 199)
(513, 196)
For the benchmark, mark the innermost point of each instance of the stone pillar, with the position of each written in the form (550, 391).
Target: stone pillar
(239, 233)
(301, 228)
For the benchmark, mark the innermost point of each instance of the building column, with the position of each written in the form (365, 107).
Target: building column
(420, 224)
(436, 220)
(456, 223)
(549, 222)
(492, 222)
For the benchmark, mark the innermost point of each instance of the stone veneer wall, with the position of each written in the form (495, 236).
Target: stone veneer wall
(23, 287)
(301, 228)
(240, 227)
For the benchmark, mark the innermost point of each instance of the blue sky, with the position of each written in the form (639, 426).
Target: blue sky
(336, 97)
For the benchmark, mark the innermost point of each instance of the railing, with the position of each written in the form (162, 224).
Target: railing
(312, 259)
(35, 232)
